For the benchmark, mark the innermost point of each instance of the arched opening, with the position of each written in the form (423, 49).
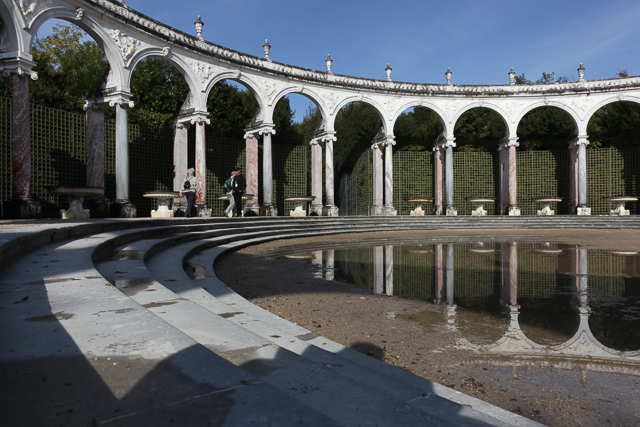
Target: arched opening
(544, 169)
(478, 132)
(613, 156)
(416, 130)
(356, 125)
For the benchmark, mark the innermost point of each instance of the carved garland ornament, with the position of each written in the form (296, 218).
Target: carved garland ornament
(450, 108)
(330, 99)
(202, 70)
(127, 45)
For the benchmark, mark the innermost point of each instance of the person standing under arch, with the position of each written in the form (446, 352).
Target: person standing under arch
(190, 187)
(239, 185)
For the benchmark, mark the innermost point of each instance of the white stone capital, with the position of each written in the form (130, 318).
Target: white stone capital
(261, 129)
(508, 142)
(580, 139)
(443, 142)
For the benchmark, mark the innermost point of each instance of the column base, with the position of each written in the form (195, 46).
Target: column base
(202, 210)
(268, 210)
(514, 210)
(583, 210)
(377, 210)
(330, 211)
(438, 209)
(251, 210)
(97, 208)
(502, 210)
(315, 210)
(123, 208)
(451, 211)
(389, 210)
(24, 209)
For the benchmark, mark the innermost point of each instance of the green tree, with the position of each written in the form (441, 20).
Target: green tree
(356, 125)
(546, 128)
(479, 129)
(615, 125)
(417, 129)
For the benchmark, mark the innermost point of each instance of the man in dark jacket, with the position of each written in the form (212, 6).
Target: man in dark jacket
(239, 185)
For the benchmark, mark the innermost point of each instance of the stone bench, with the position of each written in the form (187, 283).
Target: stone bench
(417, 204)
(546, 203)
(300, 202)
(620, 201)
(76, 197)
(479, 203)
(164, 198)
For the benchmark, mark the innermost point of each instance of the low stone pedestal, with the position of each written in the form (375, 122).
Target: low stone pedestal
(164, 199)
(300, 202)
(546, 204)
(479, 203)
(377, 210)
(620, 201)
(417, 205)
(451, 211)
(76, 196)
(315, 210)
(514, 210)
(268, 210)
(583, 210)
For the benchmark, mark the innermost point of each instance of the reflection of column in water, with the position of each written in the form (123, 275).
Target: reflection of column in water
(451, 308)
(378, 270)
(439, 272)
(513, 274)
(583, 281)
(388, 266)
(574, 271)
(504, 273)
(329, 272)
(317, 260)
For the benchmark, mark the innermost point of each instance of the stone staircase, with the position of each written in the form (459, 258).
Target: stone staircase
(104, 325)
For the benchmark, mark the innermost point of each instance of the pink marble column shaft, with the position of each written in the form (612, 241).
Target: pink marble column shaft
(513, 177)
(513, 274)
(316, 173)
(328, 173)
(180, 156)
(201, 161)
(438, 163)
(439, 271)
(21, 141)
(504, 273)
(388, 175)
(95, 148)
(377, 175)
(504, 181)
(573, 178)
(252, 169)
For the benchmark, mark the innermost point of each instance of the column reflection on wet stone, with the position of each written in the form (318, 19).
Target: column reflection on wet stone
(388, 266)
(378, 270)
(317, 260)
(439, 273)
(451, 307)
(329, 271)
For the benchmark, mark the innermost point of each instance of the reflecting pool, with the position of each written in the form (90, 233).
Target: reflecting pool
(561, 304)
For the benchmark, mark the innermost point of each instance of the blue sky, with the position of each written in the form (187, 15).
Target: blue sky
(478, 39)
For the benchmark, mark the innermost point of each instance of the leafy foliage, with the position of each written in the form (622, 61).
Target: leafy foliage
(479, 129)
(356, 125)
(546, 128)
(417, 129)
(615, 125)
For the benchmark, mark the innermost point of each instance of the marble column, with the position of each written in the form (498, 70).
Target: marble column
(503, 155)
(451, 210)
(573, 179)
(126, 208)
(388, 270)
(378, 270)
(439, 272)
(201, 170)
(514, 210)
(252, 205)
(267, 208)
(582, 179)
(180, 163)
(94, 140)
(388, 179)
(316, 178)
(330, 208)
(21, 205)
(438, 164)
(377, 209)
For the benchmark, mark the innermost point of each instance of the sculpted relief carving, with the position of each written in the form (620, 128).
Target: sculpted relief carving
(583, 103)
(450, 109)
(28, 6)
(202, 70)
(330, 99)
(391, 106)
(127, 45)
(269, 89)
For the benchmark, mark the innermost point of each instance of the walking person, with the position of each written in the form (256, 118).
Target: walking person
(239, 185)
(228, 189)
(190, 187)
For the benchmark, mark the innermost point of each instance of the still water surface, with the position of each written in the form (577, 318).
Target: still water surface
(532, 301)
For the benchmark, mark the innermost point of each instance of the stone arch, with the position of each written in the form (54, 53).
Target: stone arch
(509, 126)
(99, 34)
(562, 106)
(12, 36)
(244, 80)
(431, 106)
(359, 98)
(309, 94)
(618, 98)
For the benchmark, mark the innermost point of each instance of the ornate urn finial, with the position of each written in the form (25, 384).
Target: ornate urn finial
(581, 72)
(267, 49)
(512, 77)
(199, 25)
(388, 71)
(448, 74)
(329, 61)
